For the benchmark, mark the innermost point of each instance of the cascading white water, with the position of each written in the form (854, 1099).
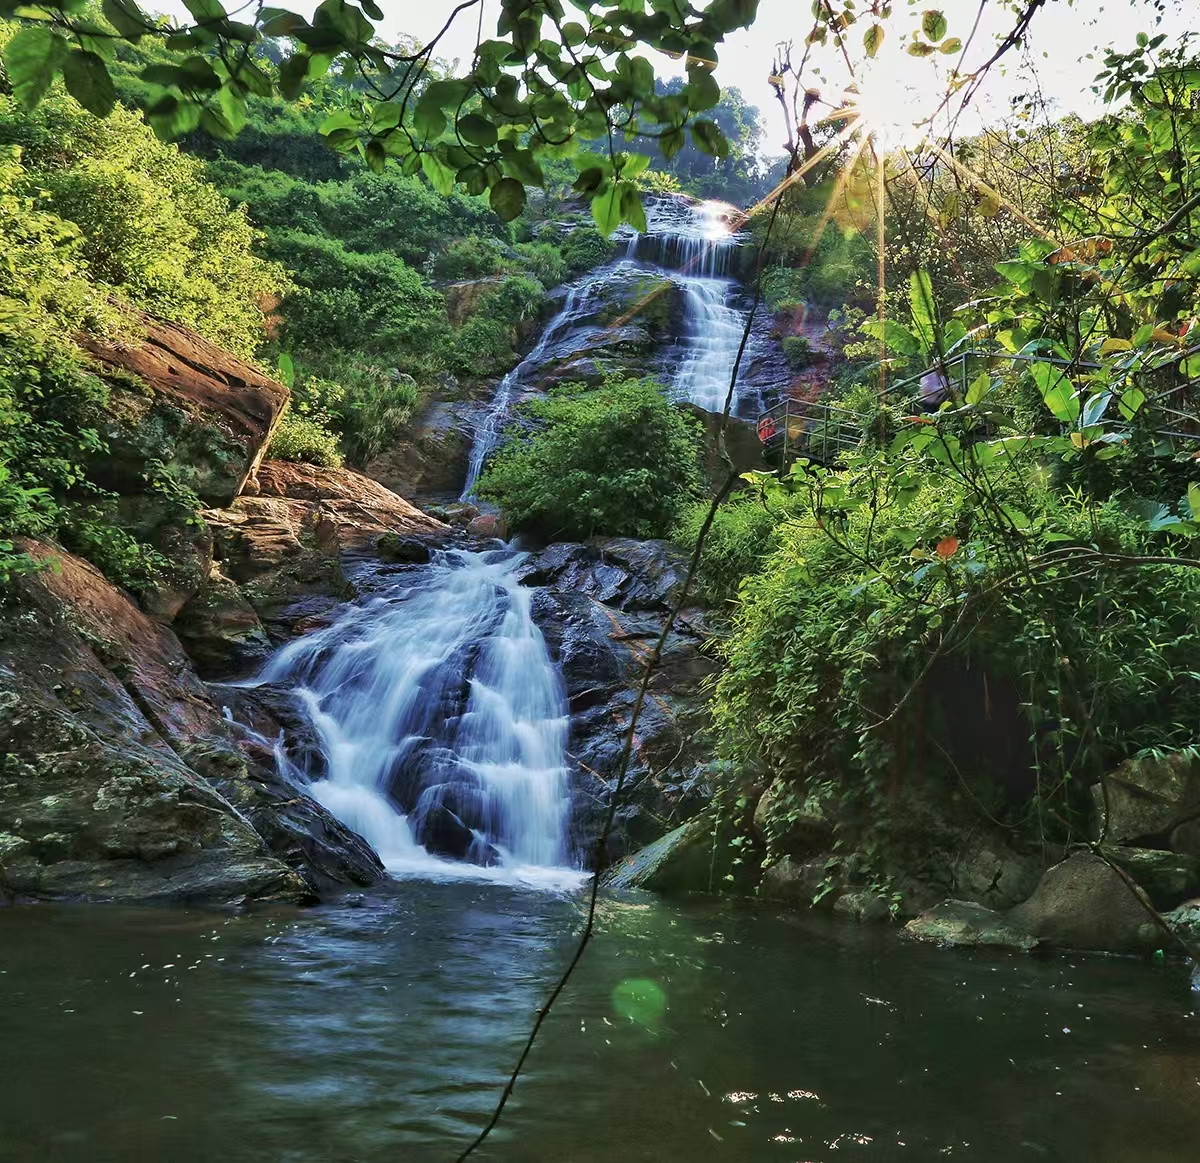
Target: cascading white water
(441, 722)
(438, 719)
(693, 246)
(487, 435)
(702, 245)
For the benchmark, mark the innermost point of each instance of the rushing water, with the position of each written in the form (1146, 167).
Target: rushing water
(690, 244)
(441, 722)
(703, 1031)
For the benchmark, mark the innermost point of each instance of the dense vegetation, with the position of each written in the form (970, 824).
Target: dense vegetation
(99, 220)
(619, 459)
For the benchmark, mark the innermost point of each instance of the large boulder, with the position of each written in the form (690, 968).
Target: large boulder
(968, 924)
(1167, 877)
(792, 822)
(1146, 799)
(796, 881)
(430, 460)
(177, 399)
(288, 542)
(120, 780)
(185, 422)
(602, 652)
(1082, 903)
(622, 572)
(690, 858)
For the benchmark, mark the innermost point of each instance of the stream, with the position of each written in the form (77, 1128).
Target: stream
(700, 1030)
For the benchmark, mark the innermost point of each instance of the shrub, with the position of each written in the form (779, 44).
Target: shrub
(302, 438)
(743, 533)
(467, 258)
(586, 248)
(147, 222)
(798, 352)
(618, 459)
(544, 261)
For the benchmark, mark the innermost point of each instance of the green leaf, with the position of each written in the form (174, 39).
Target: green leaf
(522, 165)
(950, 45)
(32, 60)
(708, 137)
(441, 176)
(339, 119)
(632, 210)
(292, 73)
(924, 311)
(372, 9)
(980, 386)
(918, 48)
(606, 208)
(673, 141)
(1131, 402)
(1057, 391)
(894, 334)
(233, 108)
(507, 198)
(933, 24)
(126, 17)
(286, 370)
(474, 177)
(87, 80)
(428, 120)
(872, 39)
(205, 11)
(1193, 500)
(476, 129)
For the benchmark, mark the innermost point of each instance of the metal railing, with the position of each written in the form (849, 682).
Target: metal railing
(824, 432)
(821, 432)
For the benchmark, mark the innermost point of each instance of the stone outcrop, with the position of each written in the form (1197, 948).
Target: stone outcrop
(430, 461)
(600, 607)
(185, 421)
(965, 923)
(1146, 800)
(1082, 903)
(120, 780)
(690, 858)
(282, 551)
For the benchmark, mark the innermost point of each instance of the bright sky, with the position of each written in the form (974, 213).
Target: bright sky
(1055, 59)
(1062, 34)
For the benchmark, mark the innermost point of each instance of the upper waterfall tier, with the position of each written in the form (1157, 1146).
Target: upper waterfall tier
(616, 319)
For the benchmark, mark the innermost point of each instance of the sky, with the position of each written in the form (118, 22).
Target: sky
(1055, 59)
(1061, 36)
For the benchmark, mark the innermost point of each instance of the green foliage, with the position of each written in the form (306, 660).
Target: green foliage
(586, 248)
(486, 130)
(744, 532)
(146, 221)
(304, 438)
(798, 352)
(468, 258)
(619, 459)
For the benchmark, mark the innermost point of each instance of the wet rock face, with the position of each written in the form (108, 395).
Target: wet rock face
(185, 421)
(119, 778)
(1148, 799)
(286, 549)
(600, 607)
(430, 462)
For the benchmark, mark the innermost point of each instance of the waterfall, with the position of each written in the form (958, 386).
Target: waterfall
(487, 434)
(440, 723)
(689, 244)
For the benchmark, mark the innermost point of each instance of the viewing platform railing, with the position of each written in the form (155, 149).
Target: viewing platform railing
(824, 432)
